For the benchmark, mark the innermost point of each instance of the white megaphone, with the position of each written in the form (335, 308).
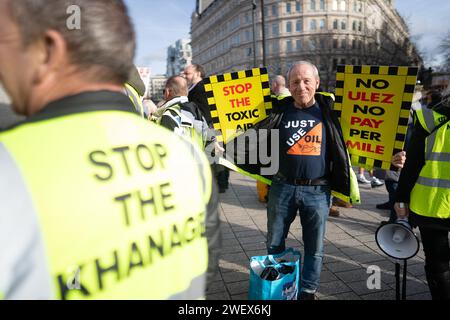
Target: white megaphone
(397, 240)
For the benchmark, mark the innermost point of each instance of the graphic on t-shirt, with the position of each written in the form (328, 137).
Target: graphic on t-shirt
(306, 143)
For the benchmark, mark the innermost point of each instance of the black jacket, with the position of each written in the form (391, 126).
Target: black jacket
(198, 95)
(340, 175)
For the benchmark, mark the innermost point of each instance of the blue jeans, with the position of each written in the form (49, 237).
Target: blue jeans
(313, 204)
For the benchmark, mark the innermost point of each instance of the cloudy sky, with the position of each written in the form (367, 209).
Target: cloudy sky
(159, 23)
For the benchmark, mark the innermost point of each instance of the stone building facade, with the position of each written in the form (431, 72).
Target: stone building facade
(325, 32)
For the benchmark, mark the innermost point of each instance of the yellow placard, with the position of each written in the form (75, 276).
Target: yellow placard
(373, 104)
(238, 100)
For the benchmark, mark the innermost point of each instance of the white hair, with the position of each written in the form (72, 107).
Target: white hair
(300, 63)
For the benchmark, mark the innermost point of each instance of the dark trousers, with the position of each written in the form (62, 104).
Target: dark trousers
(436, 248)
(223, 175)
(437, 257)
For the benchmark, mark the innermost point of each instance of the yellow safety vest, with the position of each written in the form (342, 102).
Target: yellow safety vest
(186, 129)
(135, 98)
(430, 196)
(116, 218)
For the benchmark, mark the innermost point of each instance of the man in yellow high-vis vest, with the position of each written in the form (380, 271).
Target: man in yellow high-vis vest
(423, 193)
(93, 199)
(135, 90)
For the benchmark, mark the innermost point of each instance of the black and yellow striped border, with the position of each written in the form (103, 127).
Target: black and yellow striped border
(256, 72)
(410, 74)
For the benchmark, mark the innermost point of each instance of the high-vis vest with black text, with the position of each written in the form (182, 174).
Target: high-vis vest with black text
(105, 192)
(430, 196)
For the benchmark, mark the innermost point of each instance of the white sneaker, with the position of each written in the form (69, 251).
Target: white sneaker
(376, 182)
(362, 179)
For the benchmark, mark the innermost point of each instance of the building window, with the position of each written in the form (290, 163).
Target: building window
(249, 51)
(298, 44)
(359, 6)
(289, 46)
(335, 5)
(335, 62)
(313, 5)
(275, 47)
(298, 6)
(299, 25)
(289, 26)
(275, 29)
(313, 25)
(312, 44)
(360, 26)
(235, 40)
(322, 43)
(335, 43)
(335, 24)
(247, 17)
(274, 10)
(322, 24)
(247, 35)
(322, 68)
(288, 7)
(354, 26)
(343, 25)
(322, 5)
(342, 5)
(343, 61)
(343, 43)
(353, 44)
(353, 61)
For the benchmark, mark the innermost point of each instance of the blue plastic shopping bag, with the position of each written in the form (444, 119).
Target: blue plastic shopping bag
(275, 277)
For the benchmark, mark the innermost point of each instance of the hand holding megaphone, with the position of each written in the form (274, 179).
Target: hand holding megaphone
(402, 210)
(400, 233)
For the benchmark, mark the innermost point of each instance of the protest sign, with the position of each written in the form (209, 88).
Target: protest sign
(373, 104)
(238, 100)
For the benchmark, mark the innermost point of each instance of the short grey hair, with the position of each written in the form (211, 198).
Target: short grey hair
(177, 85)
(279, 79)
(105, 41)
(300, 63)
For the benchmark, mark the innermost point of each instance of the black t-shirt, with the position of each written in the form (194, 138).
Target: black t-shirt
(303, 152)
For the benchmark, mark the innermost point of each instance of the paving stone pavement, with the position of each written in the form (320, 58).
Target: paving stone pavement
(350, 248)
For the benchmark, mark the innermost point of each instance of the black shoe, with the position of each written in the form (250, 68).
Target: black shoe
(375, 183)
(306, 296)
(384, 206)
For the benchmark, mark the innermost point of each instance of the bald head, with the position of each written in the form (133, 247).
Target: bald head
(278, 84)
(176, 86)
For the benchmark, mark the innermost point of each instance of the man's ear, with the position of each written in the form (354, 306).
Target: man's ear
(166, 93)
(52, 55)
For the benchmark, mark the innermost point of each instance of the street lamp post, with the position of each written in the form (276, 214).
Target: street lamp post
(254, 32)
(263, 33)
